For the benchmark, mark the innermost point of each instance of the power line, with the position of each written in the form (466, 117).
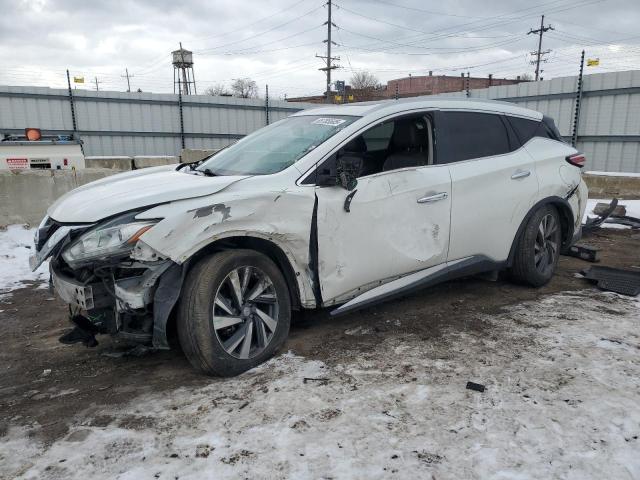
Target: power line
(259, 34)
(236, 30)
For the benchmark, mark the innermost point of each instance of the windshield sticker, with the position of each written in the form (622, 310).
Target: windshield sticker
(330, 122)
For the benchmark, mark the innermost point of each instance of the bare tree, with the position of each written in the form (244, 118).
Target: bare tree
(244, 88)
(526, 77)
(217, 90)
(364, 81)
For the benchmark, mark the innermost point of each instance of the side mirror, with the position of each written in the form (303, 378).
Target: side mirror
(348, 168)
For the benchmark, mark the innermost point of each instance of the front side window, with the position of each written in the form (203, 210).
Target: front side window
(403, 142)
(276, 147)
(467, 135)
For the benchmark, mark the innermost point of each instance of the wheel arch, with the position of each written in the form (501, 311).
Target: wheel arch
(566, 223)
(267, 247)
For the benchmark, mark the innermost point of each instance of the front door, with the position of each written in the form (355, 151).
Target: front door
(397, 220)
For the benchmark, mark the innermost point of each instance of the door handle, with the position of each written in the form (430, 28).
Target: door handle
(433, 198)
(520, 174)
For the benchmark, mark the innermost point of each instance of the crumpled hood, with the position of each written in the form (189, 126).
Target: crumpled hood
(131, 190)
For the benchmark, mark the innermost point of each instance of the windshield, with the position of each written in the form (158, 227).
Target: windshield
(276, 147)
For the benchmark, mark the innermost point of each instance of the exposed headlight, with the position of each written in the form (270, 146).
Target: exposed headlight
(116, 237)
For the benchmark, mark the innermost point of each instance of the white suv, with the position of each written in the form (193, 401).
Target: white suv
(337, 206)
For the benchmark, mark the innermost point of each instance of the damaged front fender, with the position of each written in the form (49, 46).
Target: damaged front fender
(191, 225)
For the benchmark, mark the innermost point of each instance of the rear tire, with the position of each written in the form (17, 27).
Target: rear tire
(234, 312)
(538, 248)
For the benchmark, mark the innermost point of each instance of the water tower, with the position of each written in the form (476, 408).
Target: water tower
(184, 80)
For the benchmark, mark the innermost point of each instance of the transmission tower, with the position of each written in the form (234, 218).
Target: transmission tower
(539, 53)
(328, 58)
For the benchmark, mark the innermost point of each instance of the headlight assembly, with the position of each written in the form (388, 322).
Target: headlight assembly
(116, 237)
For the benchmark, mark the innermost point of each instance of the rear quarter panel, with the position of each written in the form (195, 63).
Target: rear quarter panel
(556, 177)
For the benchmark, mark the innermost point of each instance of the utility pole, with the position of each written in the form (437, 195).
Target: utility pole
(95, 79)
(329, 59)
(126, 70)
(539, 53)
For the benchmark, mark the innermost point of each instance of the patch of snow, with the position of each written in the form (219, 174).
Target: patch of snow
(632, 206)
(614, 174)
(561, 401)
(16, 244)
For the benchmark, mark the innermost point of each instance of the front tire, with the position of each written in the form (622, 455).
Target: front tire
(538, 248)
(234, 312)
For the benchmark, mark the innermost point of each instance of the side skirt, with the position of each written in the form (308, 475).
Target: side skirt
(419, 280)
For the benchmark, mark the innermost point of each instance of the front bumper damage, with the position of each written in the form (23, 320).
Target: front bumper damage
(120, 296)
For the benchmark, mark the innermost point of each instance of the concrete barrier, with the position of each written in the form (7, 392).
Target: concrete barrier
(142, 161)
(114, 163)
(609, 186)
(190, 155)
(25, 195)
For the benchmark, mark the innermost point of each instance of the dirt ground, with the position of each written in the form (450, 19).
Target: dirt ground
(58, 386)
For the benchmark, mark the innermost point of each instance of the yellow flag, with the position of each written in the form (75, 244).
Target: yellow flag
(78, 79)
(593, 62)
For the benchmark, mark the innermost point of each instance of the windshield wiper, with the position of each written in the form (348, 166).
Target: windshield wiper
(208, 173)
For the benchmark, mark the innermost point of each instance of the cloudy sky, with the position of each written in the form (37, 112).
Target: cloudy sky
(275, 42)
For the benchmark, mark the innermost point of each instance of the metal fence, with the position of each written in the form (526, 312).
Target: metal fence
(114, 123)
(609, 114)
(118, 123)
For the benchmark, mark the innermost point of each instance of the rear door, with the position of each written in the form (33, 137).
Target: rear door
(493, 182)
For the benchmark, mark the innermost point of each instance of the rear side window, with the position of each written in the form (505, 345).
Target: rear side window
(527, 129)
(466, 135)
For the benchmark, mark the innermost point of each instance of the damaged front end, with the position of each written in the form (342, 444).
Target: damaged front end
(113, 282)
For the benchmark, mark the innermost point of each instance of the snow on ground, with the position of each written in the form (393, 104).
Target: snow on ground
(632, 206)
(562, 401)
(16, 244)
(614, 174)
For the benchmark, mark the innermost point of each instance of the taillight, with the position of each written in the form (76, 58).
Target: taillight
(577, 159)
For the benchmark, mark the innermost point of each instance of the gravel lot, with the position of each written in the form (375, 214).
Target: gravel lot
(379, 393)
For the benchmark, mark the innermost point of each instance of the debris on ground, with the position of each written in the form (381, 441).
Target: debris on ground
(612, 213)
(584, 252)
(136, 351)
(321, 381)
(478, 387)
(625, 282)
(79, 335)
(593, 223)
(602, 207)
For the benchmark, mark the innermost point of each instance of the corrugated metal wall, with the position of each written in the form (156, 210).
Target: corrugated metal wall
(609, 125)
(115, 123)
(118, 123)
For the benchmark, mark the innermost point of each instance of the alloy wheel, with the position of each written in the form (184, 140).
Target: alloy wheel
(546, 244)
(245, 312)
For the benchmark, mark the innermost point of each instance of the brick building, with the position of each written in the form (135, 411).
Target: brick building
(434, 84)
(412, 86)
